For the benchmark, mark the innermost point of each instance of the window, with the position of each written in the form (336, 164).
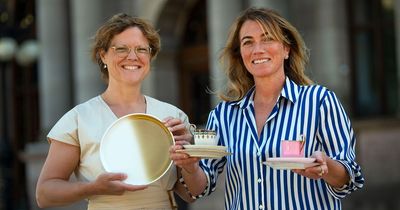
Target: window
(373, 55)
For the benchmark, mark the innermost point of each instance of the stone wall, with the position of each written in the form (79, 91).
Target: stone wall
(378, 144)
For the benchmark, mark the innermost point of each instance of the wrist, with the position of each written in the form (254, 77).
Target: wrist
(191, 170)
(194, 197)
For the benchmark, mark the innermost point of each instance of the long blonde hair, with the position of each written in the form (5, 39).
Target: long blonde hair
(239, 79)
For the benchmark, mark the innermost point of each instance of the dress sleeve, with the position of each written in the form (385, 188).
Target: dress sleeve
(337, 137)
(213, 167)
(66, 129)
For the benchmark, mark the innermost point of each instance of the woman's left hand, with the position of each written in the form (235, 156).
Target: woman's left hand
(318, 171)
(181, 133)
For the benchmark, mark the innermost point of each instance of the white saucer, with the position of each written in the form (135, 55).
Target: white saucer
(207, 147)
(205, 153)
(290, 163)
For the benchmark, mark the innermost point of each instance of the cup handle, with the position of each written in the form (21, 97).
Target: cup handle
(192, 128)
(302, 138)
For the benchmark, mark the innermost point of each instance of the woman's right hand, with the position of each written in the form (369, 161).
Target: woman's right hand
(112, 184)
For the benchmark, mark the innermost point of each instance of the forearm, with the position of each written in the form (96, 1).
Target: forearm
(182, 191)
(337, 176)
(58, 192)
(195, 180)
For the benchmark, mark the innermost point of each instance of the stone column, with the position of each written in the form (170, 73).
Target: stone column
(323, 25)
(221, 15)
(164, 65)
(87, 78)
(55, 79)
(54, 61)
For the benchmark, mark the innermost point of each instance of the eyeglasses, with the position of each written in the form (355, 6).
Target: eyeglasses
(123, 51)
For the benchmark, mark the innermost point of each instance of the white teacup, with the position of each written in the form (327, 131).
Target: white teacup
(205, 137)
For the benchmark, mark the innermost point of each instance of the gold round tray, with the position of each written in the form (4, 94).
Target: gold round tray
(138, 145)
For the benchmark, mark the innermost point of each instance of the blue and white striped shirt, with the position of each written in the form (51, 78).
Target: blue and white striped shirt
(310, 110)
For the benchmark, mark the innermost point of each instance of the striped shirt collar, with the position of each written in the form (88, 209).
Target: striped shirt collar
(290, 91)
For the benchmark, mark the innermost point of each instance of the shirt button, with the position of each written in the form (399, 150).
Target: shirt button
(259, 153)
(261, 207)
(259, 180)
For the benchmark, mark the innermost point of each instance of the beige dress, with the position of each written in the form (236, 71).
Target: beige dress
(85, 125)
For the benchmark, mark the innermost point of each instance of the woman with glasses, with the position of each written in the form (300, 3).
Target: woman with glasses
(269, 99)
(123, 48)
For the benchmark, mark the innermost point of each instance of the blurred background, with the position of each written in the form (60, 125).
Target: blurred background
(45, 70)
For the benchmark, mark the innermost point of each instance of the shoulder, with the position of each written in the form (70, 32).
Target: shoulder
(91, 105)
(225, 107)
(160, 104)
(319, 95)
(66, 128)
(85, 110)
(314, 91)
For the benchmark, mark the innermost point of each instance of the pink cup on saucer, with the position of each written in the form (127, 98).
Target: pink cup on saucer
(292, 148)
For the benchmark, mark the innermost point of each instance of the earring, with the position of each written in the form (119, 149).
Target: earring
(105, 66)
(287, 56)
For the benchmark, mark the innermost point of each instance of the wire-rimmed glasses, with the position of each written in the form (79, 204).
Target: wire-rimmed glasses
(140, 51)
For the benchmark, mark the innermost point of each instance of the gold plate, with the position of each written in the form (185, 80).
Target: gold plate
(138, 145)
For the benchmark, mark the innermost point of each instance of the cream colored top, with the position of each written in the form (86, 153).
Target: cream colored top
(84, 126)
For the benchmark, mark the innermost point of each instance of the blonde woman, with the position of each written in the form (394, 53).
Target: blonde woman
(269, 99)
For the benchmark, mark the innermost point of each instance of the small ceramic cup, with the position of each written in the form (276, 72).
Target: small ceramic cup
(292, 148)
(205, 137)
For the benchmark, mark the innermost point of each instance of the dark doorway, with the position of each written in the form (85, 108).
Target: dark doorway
(194, 70)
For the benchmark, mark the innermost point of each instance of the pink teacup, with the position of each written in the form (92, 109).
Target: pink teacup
(292, 148)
